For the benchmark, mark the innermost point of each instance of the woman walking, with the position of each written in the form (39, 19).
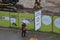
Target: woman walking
(23, 29)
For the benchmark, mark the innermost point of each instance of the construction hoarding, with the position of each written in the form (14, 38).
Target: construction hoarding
(56, 25)
(4, 19)
(46, 23)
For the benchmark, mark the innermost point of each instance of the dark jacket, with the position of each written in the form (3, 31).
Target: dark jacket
(23, 27)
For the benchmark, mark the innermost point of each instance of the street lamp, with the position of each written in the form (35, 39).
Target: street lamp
(37, 4)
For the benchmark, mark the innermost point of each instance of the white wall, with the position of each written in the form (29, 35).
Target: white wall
(44, 3)
(27, 3)
(54, 1)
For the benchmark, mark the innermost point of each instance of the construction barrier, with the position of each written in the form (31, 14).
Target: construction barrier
(56, 24)
(46, 23)
(14, 20)
(4, 19)
(28, 19)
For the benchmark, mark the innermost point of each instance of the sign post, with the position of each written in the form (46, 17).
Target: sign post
(37, 23)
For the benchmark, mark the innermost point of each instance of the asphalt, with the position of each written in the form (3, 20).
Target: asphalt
(13, 34)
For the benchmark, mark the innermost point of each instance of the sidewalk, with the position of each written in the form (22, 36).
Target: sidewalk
(13, 34)
(42, 36)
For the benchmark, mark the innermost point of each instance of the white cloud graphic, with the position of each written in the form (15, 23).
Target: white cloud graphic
(46, 20)
(57, 22)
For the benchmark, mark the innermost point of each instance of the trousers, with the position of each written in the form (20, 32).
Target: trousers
(23, 33)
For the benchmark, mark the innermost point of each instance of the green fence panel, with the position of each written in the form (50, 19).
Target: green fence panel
(4, 19)
(56, 25)
(46, 23)
(28, 19)
(14, 20)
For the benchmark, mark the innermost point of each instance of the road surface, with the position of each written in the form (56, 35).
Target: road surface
(8, 34)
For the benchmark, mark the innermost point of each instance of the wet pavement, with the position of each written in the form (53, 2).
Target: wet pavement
(42, 36)
(13, 34)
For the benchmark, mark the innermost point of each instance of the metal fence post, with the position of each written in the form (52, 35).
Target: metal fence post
(52, 24)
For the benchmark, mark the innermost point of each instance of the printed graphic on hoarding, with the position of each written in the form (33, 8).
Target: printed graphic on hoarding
(14, 20)
(4, 19)
(46, 20)
(57, 22)
(56, 25)
(28, 19)
(46, 23)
